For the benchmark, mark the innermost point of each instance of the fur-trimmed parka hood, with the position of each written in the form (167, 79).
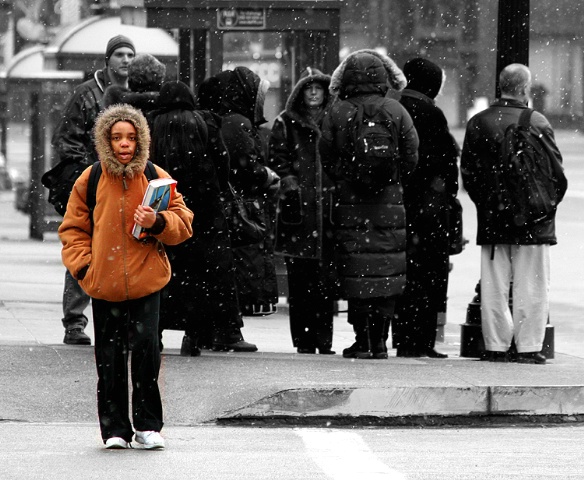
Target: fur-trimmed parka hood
(295, 103)
(366, 71)
(105, 121)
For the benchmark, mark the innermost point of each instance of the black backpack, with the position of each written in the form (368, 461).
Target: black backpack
(372, 164)
(60, 180)
(531, 180)
(94, 176)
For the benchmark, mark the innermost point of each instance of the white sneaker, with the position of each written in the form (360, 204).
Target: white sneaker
(150, 439)
(116, 443)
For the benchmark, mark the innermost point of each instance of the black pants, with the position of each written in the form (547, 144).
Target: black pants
(311, 301)
(120, 326)
(371, 319)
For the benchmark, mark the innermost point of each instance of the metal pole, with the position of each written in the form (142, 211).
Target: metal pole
(512, 35)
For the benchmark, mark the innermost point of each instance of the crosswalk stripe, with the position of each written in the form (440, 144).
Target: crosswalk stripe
(344, 455)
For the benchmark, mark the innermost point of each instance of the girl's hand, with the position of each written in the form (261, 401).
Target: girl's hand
(145, 216)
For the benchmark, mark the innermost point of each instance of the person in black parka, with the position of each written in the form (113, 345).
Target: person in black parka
(370, 228)
(427, 194)
(238, 96)
(202, 293)
(304, 228)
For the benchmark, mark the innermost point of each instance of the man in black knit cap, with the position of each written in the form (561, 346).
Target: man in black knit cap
(72, 142)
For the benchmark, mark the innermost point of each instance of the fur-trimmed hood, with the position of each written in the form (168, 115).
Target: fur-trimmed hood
(295, 103)
(366, 71)
(105, 121)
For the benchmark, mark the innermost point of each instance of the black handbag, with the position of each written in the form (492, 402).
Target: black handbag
(245, 218)
(60, 180)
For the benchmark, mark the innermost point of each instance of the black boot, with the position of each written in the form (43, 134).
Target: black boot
(362, 346)
(378, 336)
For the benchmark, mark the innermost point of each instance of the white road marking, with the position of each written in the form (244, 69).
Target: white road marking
(344, 455)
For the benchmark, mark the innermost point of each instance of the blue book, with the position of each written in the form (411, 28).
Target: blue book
(157, 196)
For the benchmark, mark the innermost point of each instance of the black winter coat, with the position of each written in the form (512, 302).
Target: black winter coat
(202, 295)
(370, 229)
(304, 207)
(480, 153)
(72, 139)
(428, 193)
(238, 97)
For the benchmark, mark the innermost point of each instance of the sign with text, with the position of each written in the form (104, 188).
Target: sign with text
(241, 18)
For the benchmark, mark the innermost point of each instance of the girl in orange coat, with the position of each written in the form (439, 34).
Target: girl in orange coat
(122, 275)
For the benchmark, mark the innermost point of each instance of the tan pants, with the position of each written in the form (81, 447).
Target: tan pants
(528, 267)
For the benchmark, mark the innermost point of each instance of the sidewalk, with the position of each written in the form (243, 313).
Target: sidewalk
(43, 380)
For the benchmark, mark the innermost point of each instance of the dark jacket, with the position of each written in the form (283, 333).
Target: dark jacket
(480, 153)
(433, 185)
(188, 144)
(305, 201)
(72, 139)
(146, 102)
(370, 231)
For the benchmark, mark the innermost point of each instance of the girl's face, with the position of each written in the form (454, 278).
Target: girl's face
(313, 95)
(123, 140)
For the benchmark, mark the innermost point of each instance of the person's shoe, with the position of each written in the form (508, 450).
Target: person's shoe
(76, 336)
(407, 353)
(189, 347)
(531, 357)
(355, 351)
(241, 346)
(326, 351)
(306, 350)
(116, 443)
(431, 353)
(498, 357)
(150, 439)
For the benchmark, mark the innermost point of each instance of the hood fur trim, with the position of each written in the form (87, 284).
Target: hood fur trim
(396, 78)
(105, 121)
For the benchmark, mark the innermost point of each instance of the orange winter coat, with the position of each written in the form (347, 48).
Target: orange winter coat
(120, 267)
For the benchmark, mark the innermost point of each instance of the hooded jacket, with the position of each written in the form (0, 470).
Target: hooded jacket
(238, 96)
(114, 266)
(305, 198)
(370, 231)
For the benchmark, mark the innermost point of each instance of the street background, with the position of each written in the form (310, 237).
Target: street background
(48, 411)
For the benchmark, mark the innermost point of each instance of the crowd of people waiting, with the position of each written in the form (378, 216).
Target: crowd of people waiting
(349, 226)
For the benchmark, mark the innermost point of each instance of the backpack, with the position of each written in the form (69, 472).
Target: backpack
(372, 164)
(59, 181)
(531, 179)
(94, 176)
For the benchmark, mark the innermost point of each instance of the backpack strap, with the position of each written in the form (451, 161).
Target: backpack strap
(94, 176)
(525, 118)
(150, 171)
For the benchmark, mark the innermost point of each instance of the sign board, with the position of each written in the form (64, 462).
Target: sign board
(241, 18)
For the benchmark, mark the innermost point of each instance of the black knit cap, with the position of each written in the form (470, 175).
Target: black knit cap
(423, 76)
(116, 42)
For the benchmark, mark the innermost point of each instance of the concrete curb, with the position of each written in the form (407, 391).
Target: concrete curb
(301, 405)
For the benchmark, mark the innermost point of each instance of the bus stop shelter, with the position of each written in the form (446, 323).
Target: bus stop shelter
(310, 28)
